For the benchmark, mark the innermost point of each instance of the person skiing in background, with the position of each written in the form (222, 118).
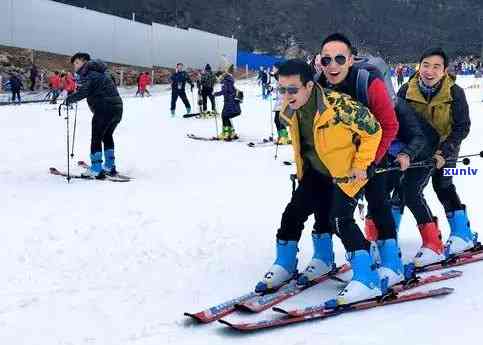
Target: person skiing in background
(15, 86)
(55, 85)
(97, 86)
(144, 81)
(435, 95)
(322, 126)
(400, 75)
(68, 83)
(34, 74)
(178, 84)
(149, 81)
(138, 79)
(263, 80)
(207, 83)
(282, 133)
(231, 107)
(339, 74)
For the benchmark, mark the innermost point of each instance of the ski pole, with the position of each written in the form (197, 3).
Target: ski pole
(216, 120)
(276, 149)
(271, 118)
(73, 134)
(68, 144)
(422, 164)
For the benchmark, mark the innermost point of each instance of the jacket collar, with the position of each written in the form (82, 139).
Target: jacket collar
(443, 96)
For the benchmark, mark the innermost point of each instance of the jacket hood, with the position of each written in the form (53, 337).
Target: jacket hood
(95, 65)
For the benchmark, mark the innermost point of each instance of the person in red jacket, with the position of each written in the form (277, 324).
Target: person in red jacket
(144, 81)
(68, 83)
(339, 74)
(55, 85)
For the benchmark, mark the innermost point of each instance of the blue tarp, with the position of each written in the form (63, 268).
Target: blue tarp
(254, 61)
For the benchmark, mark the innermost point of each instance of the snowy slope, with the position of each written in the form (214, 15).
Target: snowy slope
(103, 263)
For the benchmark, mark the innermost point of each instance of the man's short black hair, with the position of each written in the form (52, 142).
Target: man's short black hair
(80, 56)
(435, 51)
(337, 37)
(296, 67)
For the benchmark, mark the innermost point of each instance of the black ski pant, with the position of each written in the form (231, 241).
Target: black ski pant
(16, 95)
(174, 97)
(226, 122)
(408, 188)
(332, 208)
(446, 191)
(104, 122)
(379, 204)
(278, 123)
(206, 93)
(32, 84)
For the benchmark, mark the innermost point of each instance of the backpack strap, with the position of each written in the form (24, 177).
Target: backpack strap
(362, 86)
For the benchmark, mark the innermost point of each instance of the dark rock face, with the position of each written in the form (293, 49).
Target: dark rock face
(397, 29)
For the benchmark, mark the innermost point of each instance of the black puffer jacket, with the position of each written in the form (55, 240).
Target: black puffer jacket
(97, 86)
(420, 140)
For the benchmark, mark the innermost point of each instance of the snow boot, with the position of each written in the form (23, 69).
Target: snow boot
(95, 170)
(391, 269)
(461, 237)
(283, 269)
(432, 249)
(322, 261)
(365, 283)
(109, 163)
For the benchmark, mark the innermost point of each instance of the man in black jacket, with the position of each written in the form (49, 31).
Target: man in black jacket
(442, 103)
(15, 85)
(178, 84)
(105, 103)
(416, 141)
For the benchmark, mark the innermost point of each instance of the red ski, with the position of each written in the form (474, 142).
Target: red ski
(286, 320)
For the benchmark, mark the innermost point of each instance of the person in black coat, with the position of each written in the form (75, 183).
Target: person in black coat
(15, 86)
(207, 83)
(97, 85)
(178, 84)
(231, 106)
(34, 74)
(416, 141)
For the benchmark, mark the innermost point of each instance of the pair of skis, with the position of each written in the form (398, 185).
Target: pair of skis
(254, 302)
(84, 165)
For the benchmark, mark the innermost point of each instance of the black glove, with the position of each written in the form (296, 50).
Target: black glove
(192, 87)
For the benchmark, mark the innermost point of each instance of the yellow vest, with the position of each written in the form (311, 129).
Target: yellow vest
(438, 111)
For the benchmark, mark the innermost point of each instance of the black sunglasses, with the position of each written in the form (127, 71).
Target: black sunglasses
(326, 60)
(291, 90)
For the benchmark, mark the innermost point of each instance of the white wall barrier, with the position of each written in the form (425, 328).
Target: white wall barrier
(62, 29)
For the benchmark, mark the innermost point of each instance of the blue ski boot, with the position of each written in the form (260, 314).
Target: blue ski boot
(95, 170)
(365, 283)
(283, 269)
(461, 237)
(322, 261)
(391, 268)
(109, 163)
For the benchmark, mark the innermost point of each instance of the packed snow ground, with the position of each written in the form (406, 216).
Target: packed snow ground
(103, 263)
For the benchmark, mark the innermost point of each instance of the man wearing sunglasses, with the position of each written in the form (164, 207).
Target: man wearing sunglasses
(323, 125)
(340, 74)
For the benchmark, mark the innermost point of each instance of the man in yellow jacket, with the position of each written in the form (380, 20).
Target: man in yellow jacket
(333, 137)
